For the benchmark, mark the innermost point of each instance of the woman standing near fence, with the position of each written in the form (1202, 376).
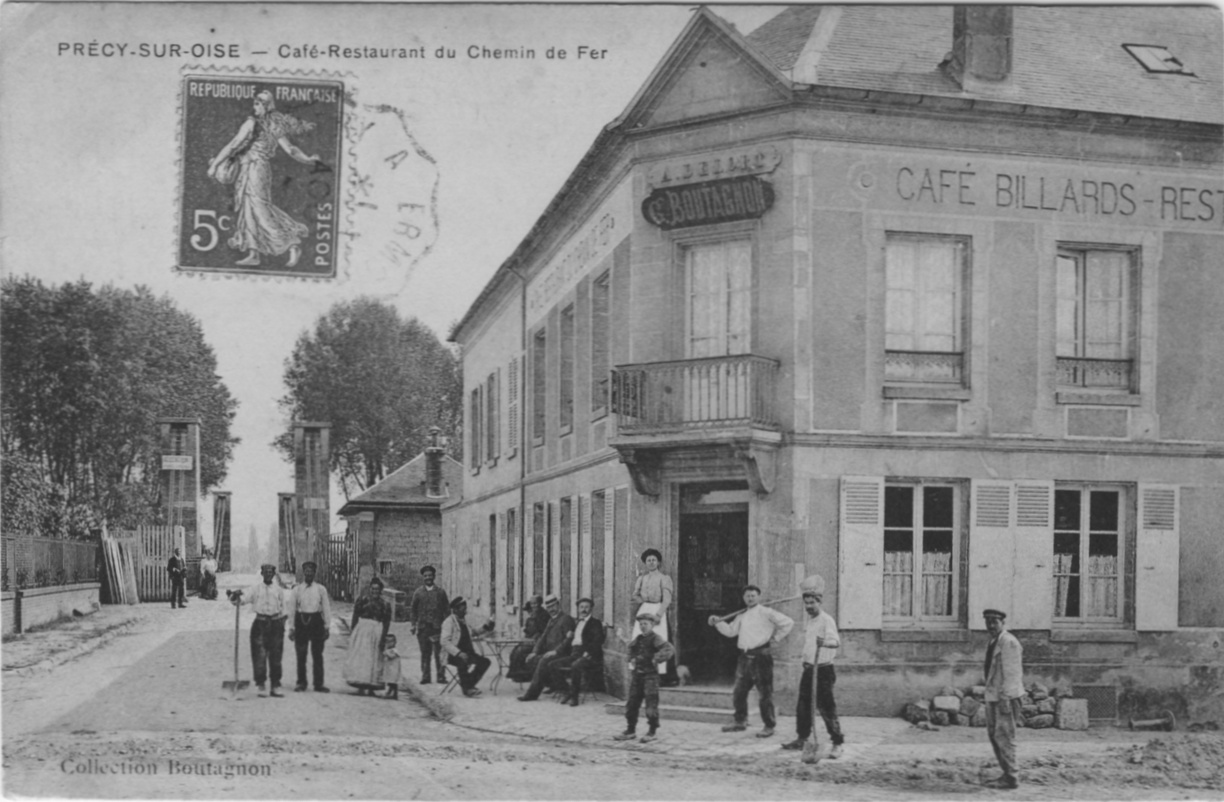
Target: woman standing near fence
(371, 620)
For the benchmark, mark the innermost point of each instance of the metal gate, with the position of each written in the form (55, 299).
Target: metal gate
(338, 565)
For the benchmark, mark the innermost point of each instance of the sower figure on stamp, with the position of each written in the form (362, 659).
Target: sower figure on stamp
(267, 600)
(177, 568)
(260, 226)
(1004, 687)
(647, 652)
(309, 626)
(756, 630)
(819, 649)
(429, 609)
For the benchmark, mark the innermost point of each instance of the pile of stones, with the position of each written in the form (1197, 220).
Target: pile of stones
(1039, 707)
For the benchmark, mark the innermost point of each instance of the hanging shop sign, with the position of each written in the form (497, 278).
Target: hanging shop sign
(177, 462)
(709, 202)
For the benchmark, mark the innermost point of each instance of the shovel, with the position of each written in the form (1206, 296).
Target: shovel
(237, 684)
(811, 749)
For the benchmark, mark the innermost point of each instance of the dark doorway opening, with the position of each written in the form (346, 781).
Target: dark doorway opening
(713, 569)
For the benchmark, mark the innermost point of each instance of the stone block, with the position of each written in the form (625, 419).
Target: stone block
(979, 691)
(1072, 714)
(1028, 711)
(1047, 706)
(979, 717)
(948, 690)
(969, 706)
(939, 718)
(949, 704)
(917, 711)
(1041, 721)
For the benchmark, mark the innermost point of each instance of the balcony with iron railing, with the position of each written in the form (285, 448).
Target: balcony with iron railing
(694, 395)
(1096, 374)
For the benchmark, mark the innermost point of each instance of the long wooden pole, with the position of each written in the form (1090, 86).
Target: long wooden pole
(729, 616)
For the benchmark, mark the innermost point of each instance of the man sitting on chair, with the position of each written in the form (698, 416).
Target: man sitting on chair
(456, 641)
(586, 652)
(554, 642)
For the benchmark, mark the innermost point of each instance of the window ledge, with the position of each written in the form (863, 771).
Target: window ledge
(566, 429)
(1098, 399)
(599, 414)
(949, 393)
(1094, 635)
(924, 635)
(491, 462)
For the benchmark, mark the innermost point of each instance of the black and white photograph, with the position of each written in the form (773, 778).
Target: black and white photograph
(637, 401)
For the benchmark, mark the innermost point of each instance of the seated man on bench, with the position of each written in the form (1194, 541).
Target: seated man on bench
(586, 653)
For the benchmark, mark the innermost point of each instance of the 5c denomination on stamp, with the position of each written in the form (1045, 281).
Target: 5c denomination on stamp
(261, 181)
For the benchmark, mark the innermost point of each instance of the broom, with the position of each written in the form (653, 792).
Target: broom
(811, 749)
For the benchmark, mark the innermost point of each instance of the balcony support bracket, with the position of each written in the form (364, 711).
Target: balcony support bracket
(759, 463)
(645, 469)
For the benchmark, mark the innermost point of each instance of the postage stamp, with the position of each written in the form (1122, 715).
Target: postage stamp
(262, 178)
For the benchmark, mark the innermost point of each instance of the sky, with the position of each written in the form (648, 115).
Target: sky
(91, 143)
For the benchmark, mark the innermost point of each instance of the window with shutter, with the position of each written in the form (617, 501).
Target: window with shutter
(512, 407)
(492, 418)
(921, 572)
(991, 549)
(1089, 554)
(554, 547)
(584, 545)
(1033, 579)
(475, 439)
(609, 506)
(1156, 554)
(860, 553)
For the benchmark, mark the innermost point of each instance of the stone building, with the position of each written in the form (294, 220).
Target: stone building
(920, 298)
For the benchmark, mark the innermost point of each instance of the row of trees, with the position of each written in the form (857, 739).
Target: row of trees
(85, 373)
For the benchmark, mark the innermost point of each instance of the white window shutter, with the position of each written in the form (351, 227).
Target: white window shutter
(554, 547)
(860, 580)
(585, 558)
(1156, 553)
(512, 407)
(991, 549)
(609, 540)
(1033, 581)
(529, 581)
(573, 535)
(500, 562)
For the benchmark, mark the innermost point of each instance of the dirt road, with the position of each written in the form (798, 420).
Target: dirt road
(145, 716)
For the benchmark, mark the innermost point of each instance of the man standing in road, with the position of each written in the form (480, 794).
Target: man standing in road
(309, 626)
(429, 609)
(267, 599)
(456, 639)
(756, 630)
(177, 568)
(1004, 687)
(553, 642)
(819, 648)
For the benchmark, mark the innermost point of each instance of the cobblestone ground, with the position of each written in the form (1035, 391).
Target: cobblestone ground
(144, 715)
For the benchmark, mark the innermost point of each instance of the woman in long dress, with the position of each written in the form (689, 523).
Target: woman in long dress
(371, 620)
(653, 593)
(260, 226)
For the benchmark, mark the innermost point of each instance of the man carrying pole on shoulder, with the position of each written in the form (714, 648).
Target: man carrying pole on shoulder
(756, 630)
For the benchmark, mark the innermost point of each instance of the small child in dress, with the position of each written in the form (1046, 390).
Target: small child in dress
(389, 667)
(647, 651)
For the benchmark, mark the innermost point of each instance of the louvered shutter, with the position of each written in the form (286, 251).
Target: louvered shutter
(575, 546)
(584, 541)
(500, 562)
(991, 549)
(860, 582)
(609, 539)
(554, 547)
(1156, 553)
(1033, 580)
(530, 581)
(512, 407)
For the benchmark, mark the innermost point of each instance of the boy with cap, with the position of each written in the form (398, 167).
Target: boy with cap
(819, 648)
(646, 653)
(1004, 687)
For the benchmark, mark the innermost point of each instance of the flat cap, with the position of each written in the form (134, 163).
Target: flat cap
(646, 615)
(267, 567)
(458, 600)
(310, 564)
(428, 568)
(992, 613)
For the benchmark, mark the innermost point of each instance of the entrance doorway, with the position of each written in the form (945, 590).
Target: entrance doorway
(713, 569)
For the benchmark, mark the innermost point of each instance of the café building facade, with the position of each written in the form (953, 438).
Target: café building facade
(922, 299)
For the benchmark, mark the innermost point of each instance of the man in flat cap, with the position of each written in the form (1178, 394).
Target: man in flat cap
(1004, 687)
(553, 642)
(757, 629)
(267, 600)
(819, 648)
(309, 625)
(429, 609)
(456, 641)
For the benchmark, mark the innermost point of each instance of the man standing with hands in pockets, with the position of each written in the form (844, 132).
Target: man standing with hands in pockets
(1004, 687)
(756, 631)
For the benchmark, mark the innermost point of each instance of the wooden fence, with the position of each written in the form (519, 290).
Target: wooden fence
(157, 544)
(338, 567)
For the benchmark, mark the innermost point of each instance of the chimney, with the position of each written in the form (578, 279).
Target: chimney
(433, 464)
(981, 44)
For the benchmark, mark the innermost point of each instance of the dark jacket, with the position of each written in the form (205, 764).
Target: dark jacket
(556, 635)
(176, 567)
(592, 638)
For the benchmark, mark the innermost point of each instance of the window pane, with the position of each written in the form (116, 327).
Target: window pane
(1066, 574)
(937, 572)
(898, 573)
(1068, 307)
(937, 507)
(1103, 511)
(1067, 509)
(899, 507)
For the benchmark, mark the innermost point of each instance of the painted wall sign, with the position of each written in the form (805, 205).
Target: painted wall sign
(610, 224)
(314, 503)
(177, 462)
(724, 201)
(724, 164)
